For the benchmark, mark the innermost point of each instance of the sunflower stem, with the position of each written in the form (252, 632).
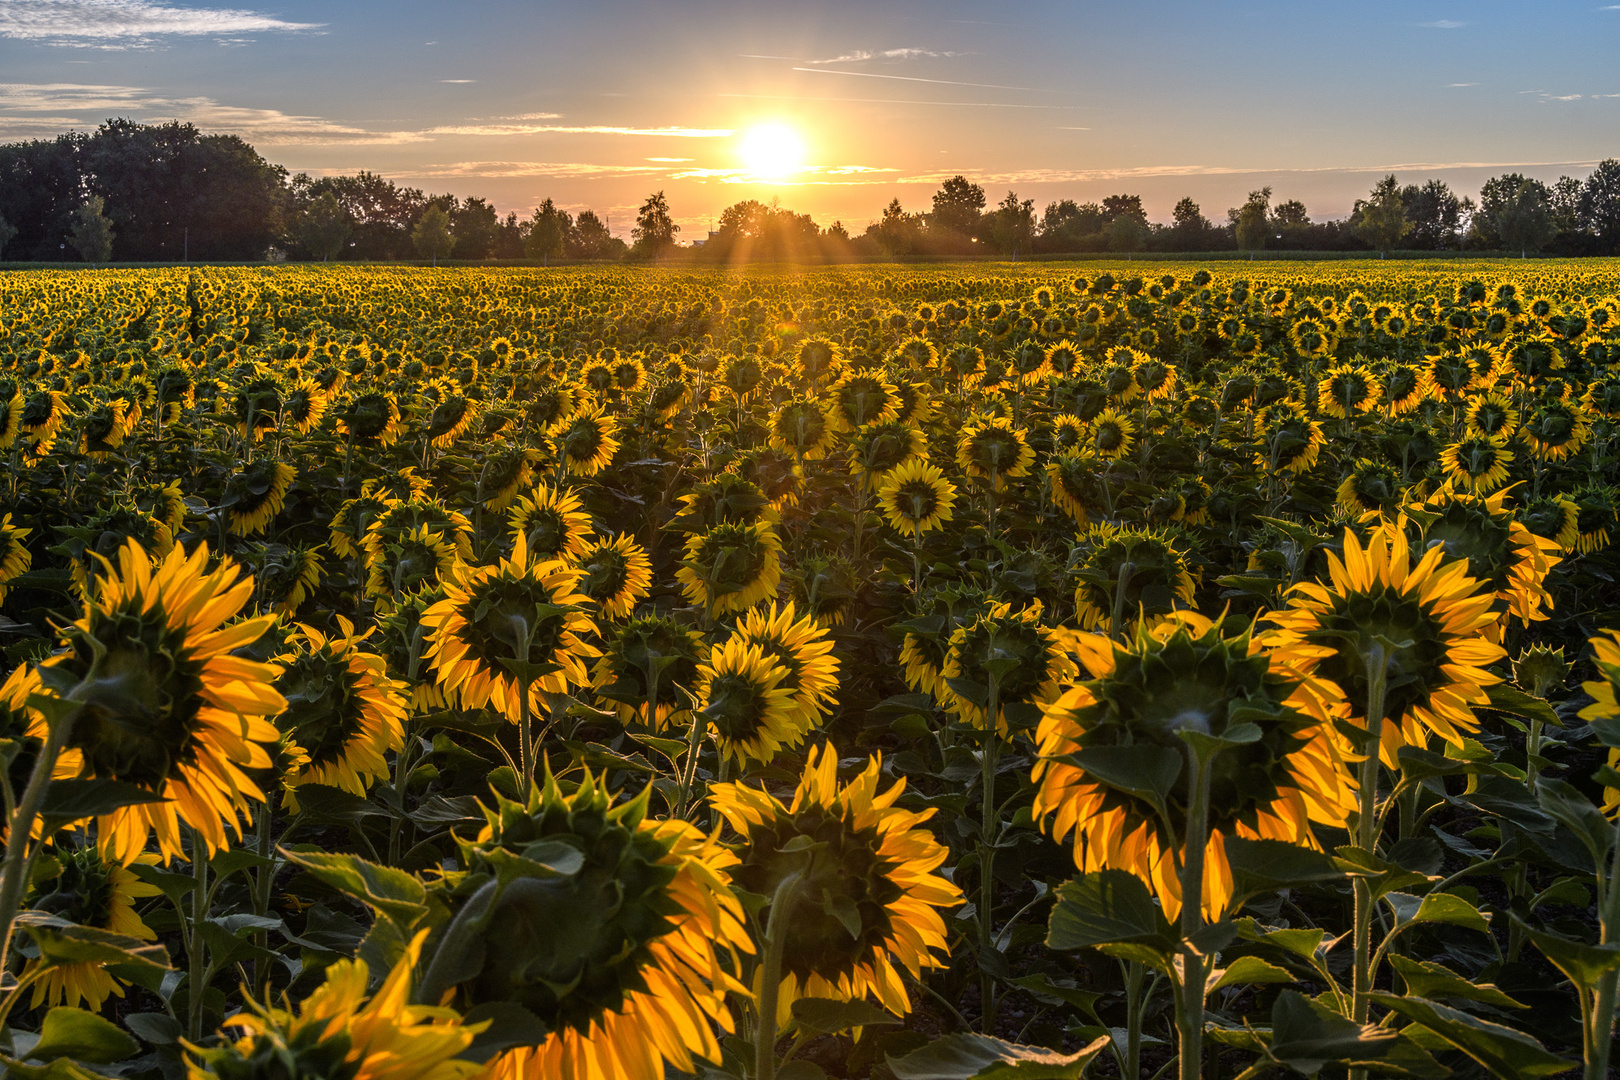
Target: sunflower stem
(987, 854)
(195, 947)
(1190, 1015)
(1135, 1004)
(14, 873)
(261, 901)
(777, 928)
(1601, 1036)
(1377, 663)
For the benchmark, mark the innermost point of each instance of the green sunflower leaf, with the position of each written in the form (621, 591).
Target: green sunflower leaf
(1500, 1049)
(830, 1016)
(1106, 908)
(980, 1057)
(74, 1033)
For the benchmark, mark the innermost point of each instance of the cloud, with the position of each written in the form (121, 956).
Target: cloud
(1444, 24)
(1065, 176)
(518, 169)
(117, 24)
(585, 129)
(457, 82)
(937, 82)
(862, 55)
(1459, 85)
(905, 101)
(671, 160)
(809, 176)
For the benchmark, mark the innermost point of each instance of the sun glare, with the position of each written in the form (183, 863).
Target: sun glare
(772, 151)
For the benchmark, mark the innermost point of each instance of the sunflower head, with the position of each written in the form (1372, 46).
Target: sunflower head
(1149, 699)
(616, 574)
(1011, 652)
(551, 522)
(1500, 551)
(1540, 669)
(1371, 486)
(1131, 574)
(731, 567)
(994, 449)
(728, 498)
(866, 898)
(916, 497)
(645, 653)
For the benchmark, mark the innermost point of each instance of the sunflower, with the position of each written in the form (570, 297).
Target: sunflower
(551, 522)
(505, 473)
(1553, 517)
(15, 558)
(1291, 441)
(731, 567)
(1500, 551)
(404, 645)
(1478, 464)
(1370, 487)
(1186, 675)
(1347, 390)
(11, 408)
(256, 405)
(1491, 414)
(343, 711)
(43, 415)
(78, 885)
(621, 960)
(368, 418)
(254, 496)
(728, 499)
(287, 576)
(801, 428)
(616, 574)
(550, 408)
(929, 633)
(1403, 387)
(1156, 379)
(916, 497)
(1606, 658)
(740, 692)
(876, 450)
(859, 857)
(1433, 616)
(860, 398)
(802, 649)
(453, 416)
(585, 444)
(971, 667)
(304, 407)
(649, 657)
(1111, 435)
(176, 712)
(339, 1032)
(1133, 574)
(421, 558)
(1068, 431)
(1597, 511)
(1075, 483)
(522, 611)
(1556, 430)
(993, 449)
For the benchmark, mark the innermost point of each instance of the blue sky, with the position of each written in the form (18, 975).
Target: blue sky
(596, 104)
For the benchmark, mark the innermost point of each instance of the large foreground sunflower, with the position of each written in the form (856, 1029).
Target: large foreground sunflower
(1186, 675)
(1431, 613)
(621, 959)
(868, 897)
(177, 712)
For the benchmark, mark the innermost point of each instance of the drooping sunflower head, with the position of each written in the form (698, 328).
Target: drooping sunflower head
(730, 498)
(609, 927)
(649, 657)
(867, 899)
(343, 711)
(1500, 551)
(801, 427)
(994, 449)
(1556, 430)
(368, 418)
(78, 884)
(616, 574)
(916, 497)
(500, 630)
(1186, 676)
(551, 523)
(169, 708)
(1131, 574)
(1552, 517)
(1011, 655)
(338, 1033)
(731, 567)
(1076, 479)
(1371, 487)
(254, 496)
(1291, 441)
(1425, 619)
(1597, 512)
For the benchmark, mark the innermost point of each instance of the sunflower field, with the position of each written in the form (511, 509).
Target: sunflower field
(942, 672)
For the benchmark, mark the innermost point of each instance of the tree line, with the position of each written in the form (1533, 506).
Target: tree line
(166, 192)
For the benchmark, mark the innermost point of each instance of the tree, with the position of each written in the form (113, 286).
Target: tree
(1381, 218)
(473, 222)
(324, 227)
(1565, 201)
(1600, 204)
(1124, 206)
(432, 236)
(1291, 213)
(1250, 222)
(7, 231)
(1012, 228)
(1128, 233)
(591, 239)
(92, 232)
(958, 206)
(898, 232)
(1188, 216)
(548, 232)
(1517, 211)
(655, 230)
(1433, 214)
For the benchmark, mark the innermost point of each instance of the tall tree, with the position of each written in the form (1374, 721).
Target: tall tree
(1188, 216)
(92, 233)
(897, 233)
(591, 239)
(548, 232)
(655, 230)
(958, 206)
(1013, 226)
(1600, 204)
(324, 227)
(1380, 219)
(1251, 221)
(433, 237)
(1124, 206)
(1290, 213)
(1517, 212)
(1565, 200)
(473, 222)
(7, 231)
(1433, 214)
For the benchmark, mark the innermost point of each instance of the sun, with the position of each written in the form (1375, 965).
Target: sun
(771, 151)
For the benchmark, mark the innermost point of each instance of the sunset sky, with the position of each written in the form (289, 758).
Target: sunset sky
(596, 104)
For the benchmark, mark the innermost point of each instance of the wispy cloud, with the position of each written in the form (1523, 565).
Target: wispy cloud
(905, 101)
(937, 82)
(118, 24)
(1444, 24)
(519, 169)
(671, 160)
(457, 82)
(809, 176)
(1064, 176)
(1460, 85)
(863, 55)
(582, 129)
